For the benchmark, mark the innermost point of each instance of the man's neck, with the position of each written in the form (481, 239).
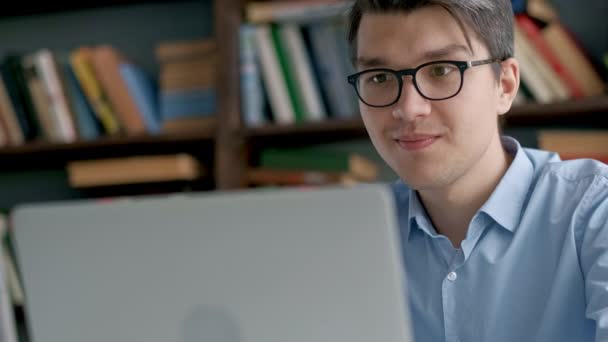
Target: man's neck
(452, 208)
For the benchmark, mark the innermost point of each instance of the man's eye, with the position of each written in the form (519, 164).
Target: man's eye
(441, 70)
(379, 78)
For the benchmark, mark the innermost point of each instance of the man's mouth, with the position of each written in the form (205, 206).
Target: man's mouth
(416, 142)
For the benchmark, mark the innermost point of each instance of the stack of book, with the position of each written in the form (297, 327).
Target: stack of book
(311, 166)
(554, 65)
(134, 170)
(187, 84)
(575, 143)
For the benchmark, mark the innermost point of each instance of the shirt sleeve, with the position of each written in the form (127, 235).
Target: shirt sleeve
(593, 222)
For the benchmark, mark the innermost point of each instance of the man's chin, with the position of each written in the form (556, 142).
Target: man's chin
(421, 181)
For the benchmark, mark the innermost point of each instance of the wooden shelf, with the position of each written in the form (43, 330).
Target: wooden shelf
(590, 112)
(45, 154)
(305, 133)
(28, 8)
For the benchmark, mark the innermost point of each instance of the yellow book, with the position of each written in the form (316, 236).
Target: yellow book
(80, 60)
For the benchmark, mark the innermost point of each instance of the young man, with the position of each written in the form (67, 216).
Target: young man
(501, 243)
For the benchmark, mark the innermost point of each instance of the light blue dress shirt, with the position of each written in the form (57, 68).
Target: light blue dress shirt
(533, 265)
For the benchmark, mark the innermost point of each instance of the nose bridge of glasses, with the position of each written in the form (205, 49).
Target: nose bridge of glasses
(406, 72)
(407, 81)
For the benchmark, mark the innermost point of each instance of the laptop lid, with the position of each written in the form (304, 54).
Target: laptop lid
(247, 266)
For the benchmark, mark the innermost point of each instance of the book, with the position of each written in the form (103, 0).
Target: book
(300, 67)
(319, 159)
(332, 68)
(279, 40)
(133, 170)
(542, 10)
(19, 96)
(540, 79)
(187, 74)
(177, 50)
(54, 85)
(49, 125)
(88, 127)
(196, 125)
(272, 77)
(279, 177)
(574, 141)
(533, 33)
(9, 117)
(571, 54)
(8, 330)
(144, 92)
(187, 64)
(107, 61)
(82, 64)
(253, 101)
(187, 103)
(295, 11)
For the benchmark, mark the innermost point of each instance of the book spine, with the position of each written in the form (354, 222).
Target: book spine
(274, 83)
(300, 65)
(252, 96)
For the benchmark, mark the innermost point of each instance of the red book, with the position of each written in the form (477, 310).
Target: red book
(533, 33)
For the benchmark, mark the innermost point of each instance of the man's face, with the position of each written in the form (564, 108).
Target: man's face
(429, 144)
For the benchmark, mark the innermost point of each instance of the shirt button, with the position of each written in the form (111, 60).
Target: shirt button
(452, 276)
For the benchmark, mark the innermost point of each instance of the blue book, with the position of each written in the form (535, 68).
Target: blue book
(145, 93)
(332, 69)
(252, 96)
(178, 104)
(519, 6)
(88, 126)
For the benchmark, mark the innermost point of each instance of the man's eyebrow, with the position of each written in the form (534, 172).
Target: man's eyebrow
(445, 52)
(442, 53)
(370, 62)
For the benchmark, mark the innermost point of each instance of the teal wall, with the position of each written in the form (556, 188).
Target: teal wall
(134, 29)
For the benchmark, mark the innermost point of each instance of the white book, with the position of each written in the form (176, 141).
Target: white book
(10, 117)
(8, 330)
(541, 67)
(529, 74)
(300, 64)
(273, 78)
(52, 81)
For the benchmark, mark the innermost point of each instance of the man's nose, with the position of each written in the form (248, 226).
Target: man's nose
(411, 104)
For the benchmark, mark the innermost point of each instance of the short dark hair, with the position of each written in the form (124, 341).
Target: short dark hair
(490, 20)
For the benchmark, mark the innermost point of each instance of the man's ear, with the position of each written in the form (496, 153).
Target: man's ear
(508, 85)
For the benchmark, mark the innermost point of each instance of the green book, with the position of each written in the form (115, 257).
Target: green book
(293, 88)
(316, 159)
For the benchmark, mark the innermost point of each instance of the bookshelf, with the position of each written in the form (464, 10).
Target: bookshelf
(230, 145)
(44, 154)
(246, 142)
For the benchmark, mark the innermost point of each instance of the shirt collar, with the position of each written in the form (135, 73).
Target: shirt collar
(504, 206)
(506, 203)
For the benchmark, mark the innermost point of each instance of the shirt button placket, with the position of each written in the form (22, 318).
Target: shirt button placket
(449, 306)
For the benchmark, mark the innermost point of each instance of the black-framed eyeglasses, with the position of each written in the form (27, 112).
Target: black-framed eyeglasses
(437, 80)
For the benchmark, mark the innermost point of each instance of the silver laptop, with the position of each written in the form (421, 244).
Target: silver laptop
(286, 265)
